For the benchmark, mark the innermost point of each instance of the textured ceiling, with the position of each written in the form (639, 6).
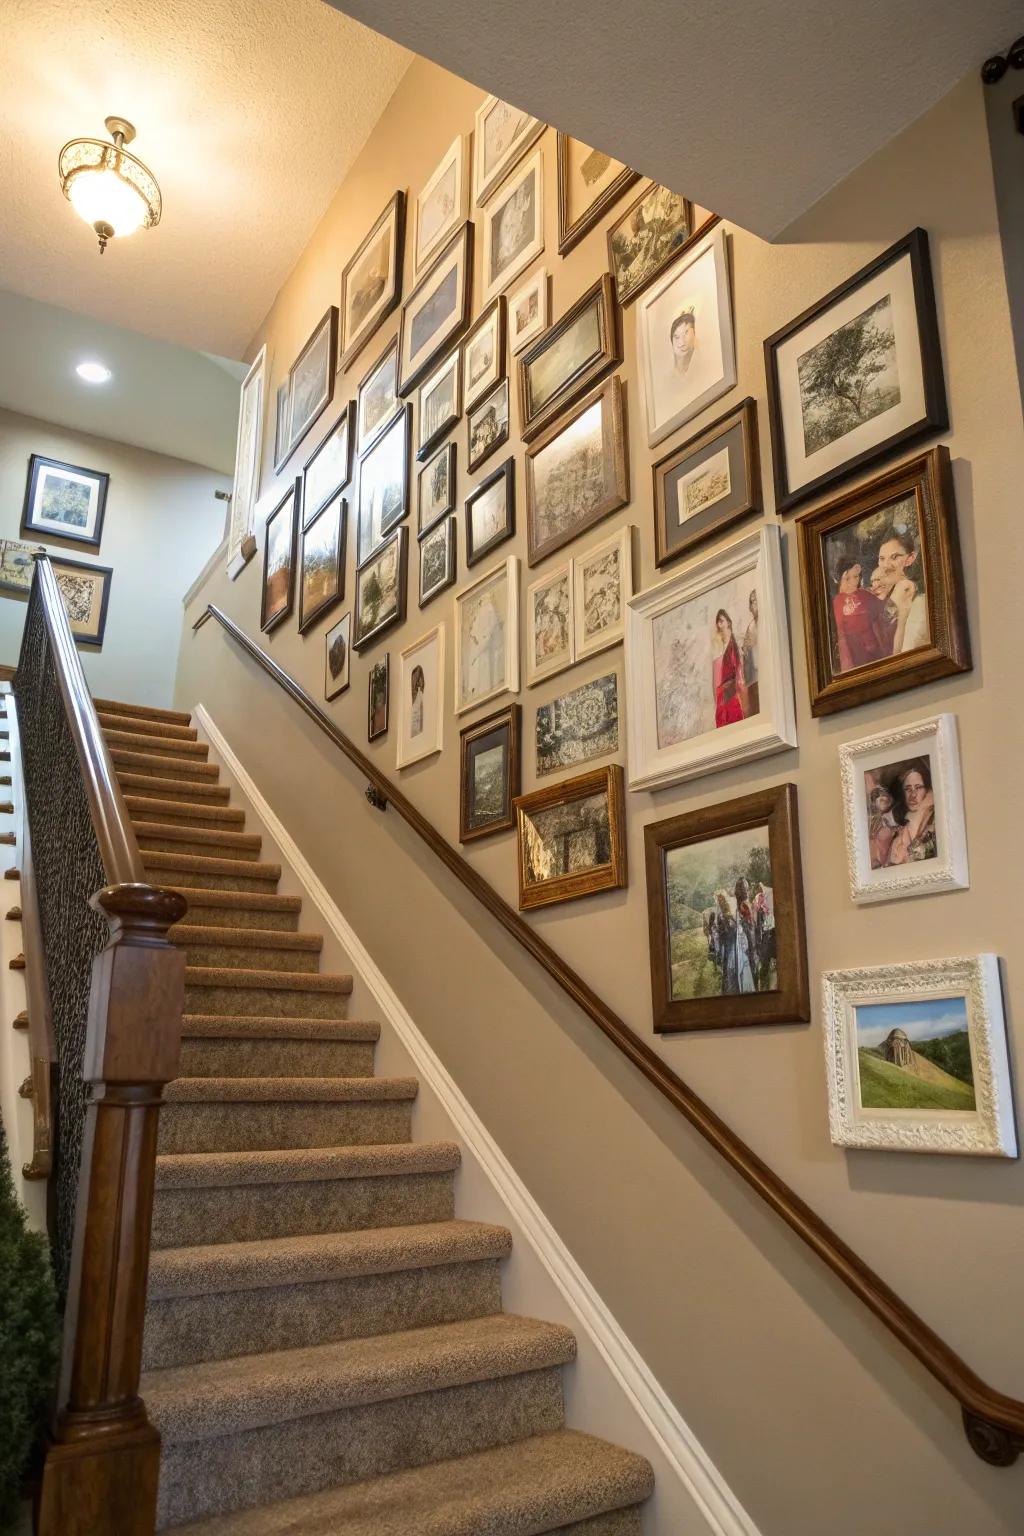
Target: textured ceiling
(752, 107)
(249, 113)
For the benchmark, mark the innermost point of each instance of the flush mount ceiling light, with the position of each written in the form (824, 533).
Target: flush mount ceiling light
(93, 373)
(107, 187)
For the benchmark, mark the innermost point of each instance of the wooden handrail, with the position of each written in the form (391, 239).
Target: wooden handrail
(993, 1421)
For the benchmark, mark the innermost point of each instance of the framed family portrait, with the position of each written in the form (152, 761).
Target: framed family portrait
(439, 404)
(322, 566)
(86, 593)
(917, 1058)
(589, 183)
(514, 226)
(686, 351)
(572, 838)
(483, 353)
(857, 376)
(577, 472)
(371, 282)
(489, 774)
(708, 665)
(311, 378)
(503, 135)
(338, 657)
(578, 726)
(441, 207)
(377, 400)
(529, 310)
(380, 590)
(383, 486)
(435, 488)
(491, 512)
(651, 233)
(421, 698)
(487, 637)
(569, 358)
(883, 592)
(487, 426)
(437, 311)
(602, 584)
(707, 484)
(549, 624)
(378, 697)
(726, 915)
(248, 444)
(437, 560)
(279, 559)
(64, 501)
(328, 468)
(903, 810)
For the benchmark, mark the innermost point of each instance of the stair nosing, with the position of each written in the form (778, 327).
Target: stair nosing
(304, 1165)
(268, 981)
(254, 938)
(269, 1026)
(290, 1090)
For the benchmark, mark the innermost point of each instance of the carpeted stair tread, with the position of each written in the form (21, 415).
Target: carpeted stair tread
(215, 1170)
(171, 812)
(248, 901)
(164, 746)
(267, 981)
(144, 711)
(187, 791)
(244, 1026)
(213, 836)
(245, 938)
(288, 1090)
(306, 1259)
(529, 1488)
(203, 864)
(170, 767)
(135, 723)
(198, 1402)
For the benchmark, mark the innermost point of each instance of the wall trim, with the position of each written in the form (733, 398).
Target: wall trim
(686, 1457)
(219, 554)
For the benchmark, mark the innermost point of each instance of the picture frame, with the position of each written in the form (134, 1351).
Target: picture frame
(85, 588)
(656, 228)
(421, 698)
(329, 467)
(490, 774)
(870, 629)
(550, 624)
(558, 826)
(437, 560)
(577, 472)
(529, 310)
(487, 426)
(377, 399)
(338, 657)
(876, 334)
(279, 539)
(686, 351)
(435, 488)
(441, 206)
(917, 1058)
(64, 501)
(577, 726)
(602, 584)
(18, 566)
(903, 811)
(371, 280)
(311, 378)
(322, 562)
(570, 357)
(282, 445)
(491, 512)
(725, 910)
(483, 352)
(383, 499)
(514, 226)
(707, 485)
(378, 697)
(502, 136)
(439, 404)
(705, 692)
(603, 179)
(245, 483)
(381, 591)
(487, 637)
(437, 312)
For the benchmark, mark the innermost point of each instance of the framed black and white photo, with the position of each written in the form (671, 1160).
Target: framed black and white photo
(378, 401)
(487, 637)
(383, 486)
(578, 726)
(437, 560)
(85, 589)
(487, 426)
(439, 404)
(549, 624)
(707, 484)
(437, 311)
(503, 134)
(311, 378)
(322, 563)
(421, 698)
(64, 501)
(328, 468)
(529, 310)
(491, 512)
(489, 774)
(378, 697)
(248, 446)
(435, 488)
(577, 472)
(371, 283)
(279, 537)
(589, 183)
(569, 358)
(514, 226)
(441, 207)
(602, 584)
(483, 353)
(338, 657)
(380, 590)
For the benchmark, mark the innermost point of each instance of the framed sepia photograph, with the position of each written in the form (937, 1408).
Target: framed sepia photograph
(371, 283)
(378, 697)
(491, 512)
(64, 501)
(514, 226)
(857, 376)
(602, 581)
(549, 624)
(708, 666)
(652, 232)
(503, 135)
(86, 593)
(435, 488)
(725, 908)
(577, 472)
(17, 565)
(917, 1058)
(572, 838)
(489, 774)
(707, 484)
(248, 447)
(483, 353)
(383, 487)
(377, 399)
(322, 566)
(279, 559)
(380, 590)
(311, 378)
(441, 207)
(487, 637)
(578, 726)
(569, 358)
(437, 311)
(529, 310)
(883, 592)
(338, 657)
(589, 183)
(439, 404)
(685, 347)
(328, 468)
(421, 698)
(437, 560)
(487, 426)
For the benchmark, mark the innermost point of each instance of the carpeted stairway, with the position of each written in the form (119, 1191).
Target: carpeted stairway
(325, 1350)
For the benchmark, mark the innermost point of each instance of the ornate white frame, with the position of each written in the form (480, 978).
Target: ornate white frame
(455, 155)
(533, 166)
(613, 633)
(510, 568)
(773, 728)
(241, 518)
(434, 637)
(936, 736)
(990, 1131)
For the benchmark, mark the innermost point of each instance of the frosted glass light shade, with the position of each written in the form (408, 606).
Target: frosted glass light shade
(103, 197)
(109, 188)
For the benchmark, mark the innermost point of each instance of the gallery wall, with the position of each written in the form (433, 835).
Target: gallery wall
(800, 1398)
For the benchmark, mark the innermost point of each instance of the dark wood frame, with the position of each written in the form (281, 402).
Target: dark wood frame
(474, 464)
(616, 469)
(400, 517)
(790, 1003)
(348, 660)
(451, 561)
(293, 494)
(605, 877)
(60, 562)
(571, 234)
(463, 235)
(385, 663)
(507, 472)
(330, 319)
(744, 414)
(936, 412)
(308, 513)
(928, 478)
(691, 239)
(351, 347)
(360, 642)
(385, 422)
(425, 448)
(448, 449)
(510, 718)
(37, 461)
(609, 356)
(501, 350)
(307, 620)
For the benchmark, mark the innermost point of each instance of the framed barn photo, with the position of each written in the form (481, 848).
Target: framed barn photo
(64, 501)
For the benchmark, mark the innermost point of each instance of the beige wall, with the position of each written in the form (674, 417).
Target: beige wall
(813, 1415)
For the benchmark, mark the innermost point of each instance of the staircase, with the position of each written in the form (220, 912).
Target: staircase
(325, 1350)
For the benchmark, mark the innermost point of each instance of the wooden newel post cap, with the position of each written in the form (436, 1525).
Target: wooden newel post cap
(140, 910)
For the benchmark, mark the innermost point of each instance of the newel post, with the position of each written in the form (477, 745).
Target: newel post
(102, 1463)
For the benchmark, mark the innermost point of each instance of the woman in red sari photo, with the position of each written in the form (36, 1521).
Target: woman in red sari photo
(727, 675)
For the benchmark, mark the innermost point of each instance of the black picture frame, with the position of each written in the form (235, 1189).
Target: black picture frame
(351, 346)
(308, 619)
(380, 675)
(38, 462)
(505, 472)
(444, 527)
(296, 433)
(446, 452)
(492, 401)
(309, 511)
(734, 433)
(288, 505)
(59, 563)
(409, 375)
(362, 638)
(504, 727)
(366, 548)
(426, 445)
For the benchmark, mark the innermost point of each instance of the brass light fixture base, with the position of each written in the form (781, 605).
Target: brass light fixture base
(119, 125)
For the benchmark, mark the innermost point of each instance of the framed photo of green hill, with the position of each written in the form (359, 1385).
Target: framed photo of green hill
(917, 1059)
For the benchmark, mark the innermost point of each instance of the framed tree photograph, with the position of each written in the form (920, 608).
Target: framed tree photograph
(883, 591)
(421, 698)
(549, 624)
(437, 560)
(491, 512)
(529, 310)
(589, 183)
(602, 583)
(371, 282)
(377, 399)
(338, 657)
(248, 445)
(328, 468)
(572, 839)
(437, 311)
(578, 726)
(569, 358)
(322, 566)
(487, 426)
(435, 488)
(707, 484)
(487, 637)
(489, 774)
(378, 697)
(503, 135)
(577, 472)
(279, 559)
(439, 404)
(652, 232)
(514, 226)
(311, 378)
(725, 909)
(383, 487)
(64, 501)
(85, 589)
(483, 353)
(380, 590)
(441, 207)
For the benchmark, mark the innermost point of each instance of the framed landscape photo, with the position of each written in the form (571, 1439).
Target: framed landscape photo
(572, 838)
(514, 226)
(602, 582)
(529, 310)
(487, 637)
(489, 774)
(883, 592)
(328, 468)
(857, 376)
(503, 134)
(651, 233)
(708, 665)
(569, 358)
(86, 593)
(437, 311)
(725, 909)
(903, 810)
(421, 698)
(377, 400)
(437, 560)
(707, 484)
(917, 1058)
(279, 559)
(380, 591)
(371, 282)
(577, 472)
(435, 488)
(549, 624)
(383, 486)
(442, 206)
(322, 566)
(338, 657)
(589, 183)
(378, 697)
(487, 426)
(491, 512)
(248, 445)
(311, 378)
(578, 726)
(483, 353)
(439, 404)
(64, 501)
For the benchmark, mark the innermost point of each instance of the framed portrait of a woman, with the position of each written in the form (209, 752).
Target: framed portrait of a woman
(421, 698)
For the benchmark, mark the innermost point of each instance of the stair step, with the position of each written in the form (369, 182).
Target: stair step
(265, 948)
(231, 1114)
(240, 909)
(231, 874)
(160, 746)
(182, 813)
(164, 767)
(142, 727)
(218, 1045)
(291, 994)
(184, 791)
(550, 1483)
(211, 842)
(141, 711)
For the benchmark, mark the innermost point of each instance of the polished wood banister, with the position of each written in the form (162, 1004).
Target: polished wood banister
(993, 1421)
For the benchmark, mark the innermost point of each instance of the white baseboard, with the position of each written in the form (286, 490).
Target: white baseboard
(681, 1451)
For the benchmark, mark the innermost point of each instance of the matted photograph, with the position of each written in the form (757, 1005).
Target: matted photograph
(380, 590)
(549, 624)
(437, 560)
(578, 726)
(378, 401)
(383, 487)
(589, 183)
(279, 559)
(726, 915)
(707, 484)
(651, 233)
(86, 593)
(514, 226)
(917, 1058)
(435, 488)
(311, 378)
(487, 425)
(322, 567)
(576, 473)
(572, 838)
(421, 698)
(489, 774)
(529, 310)
(491, 512)
(442, 206)
(569, 358)
(248, 446)
(378, 701)
(439, 404)
(487, 637)
(437, 311)
(338, 657)
(328, 468)
(371, 283)
(483, 353)
(503, 134)
(602, 579)
(64, 501)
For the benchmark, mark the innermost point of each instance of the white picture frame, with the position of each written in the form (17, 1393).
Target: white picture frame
(550, 643)
(924, 1001)
(487, 664)
(919, 807)
(421, 698)
(245, 487)
(662, 748)
(502, 135)
(514, 227)
(529, 311)
(591, 606)
(696, 285)
(441, 206)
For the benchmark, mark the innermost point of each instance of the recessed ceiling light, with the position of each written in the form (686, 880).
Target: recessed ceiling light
(93, 373)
